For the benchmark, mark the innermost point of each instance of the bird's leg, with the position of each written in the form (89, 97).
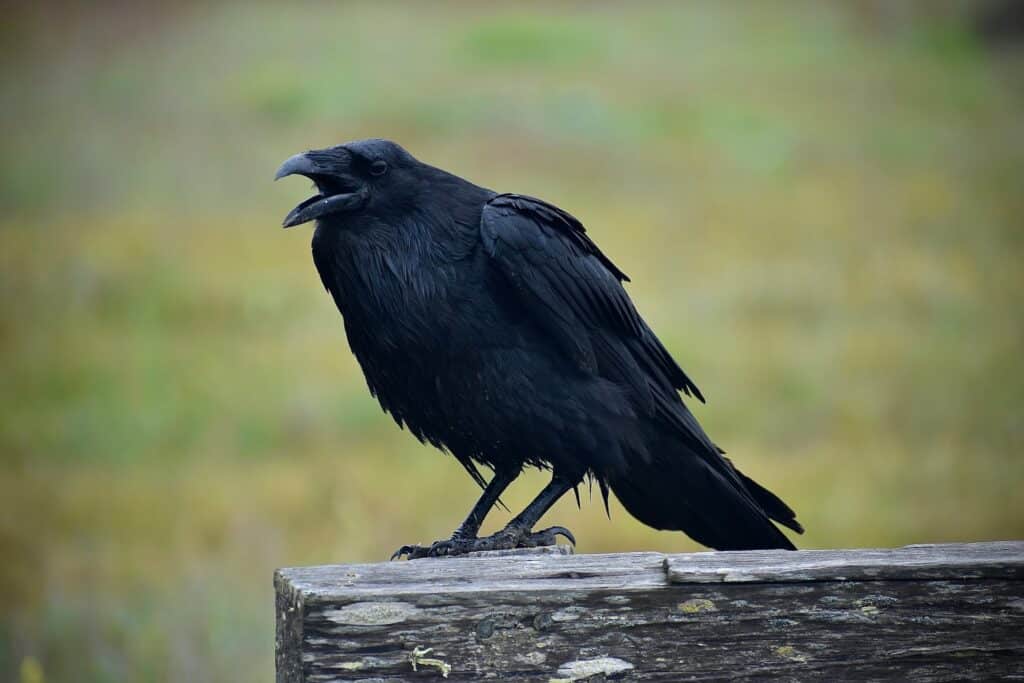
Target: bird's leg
(519, 532)
(463, 537)
(516, 534)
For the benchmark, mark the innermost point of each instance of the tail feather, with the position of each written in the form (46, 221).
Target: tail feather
(685, 493)
(772, 504)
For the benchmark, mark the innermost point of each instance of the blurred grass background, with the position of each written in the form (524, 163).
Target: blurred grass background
(820, 205)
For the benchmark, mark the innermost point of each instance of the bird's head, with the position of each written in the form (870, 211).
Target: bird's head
(350, 178)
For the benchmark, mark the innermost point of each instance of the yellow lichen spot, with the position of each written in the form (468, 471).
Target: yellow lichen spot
(418, 657)
(696, 605)
(790, 653)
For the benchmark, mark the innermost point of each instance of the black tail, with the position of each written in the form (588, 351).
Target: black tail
(707, 499)
(769, 502)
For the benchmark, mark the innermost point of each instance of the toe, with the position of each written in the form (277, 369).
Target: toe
(412, 552)
(440, 549)
(404, 550)
(503, 540)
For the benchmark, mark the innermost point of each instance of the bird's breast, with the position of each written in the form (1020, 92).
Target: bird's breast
(424, 333)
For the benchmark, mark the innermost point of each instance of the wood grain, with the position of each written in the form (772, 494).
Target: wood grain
(930, 613)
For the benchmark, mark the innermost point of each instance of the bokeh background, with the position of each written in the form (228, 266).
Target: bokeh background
(821, 206)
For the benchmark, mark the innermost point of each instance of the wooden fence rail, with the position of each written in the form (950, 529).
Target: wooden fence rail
(926, 612)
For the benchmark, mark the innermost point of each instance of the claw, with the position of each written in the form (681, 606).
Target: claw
(413, 551)
(562, 531)
(549, 536)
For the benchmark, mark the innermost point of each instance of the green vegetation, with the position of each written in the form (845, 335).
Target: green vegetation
(820, 209)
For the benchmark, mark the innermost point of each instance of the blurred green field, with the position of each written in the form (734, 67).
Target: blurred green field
(820, 206)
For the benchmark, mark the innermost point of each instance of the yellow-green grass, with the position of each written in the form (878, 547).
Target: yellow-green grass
(820, 208)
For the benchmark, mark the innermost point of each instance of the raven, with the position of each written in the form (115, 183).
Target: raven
(493, 328)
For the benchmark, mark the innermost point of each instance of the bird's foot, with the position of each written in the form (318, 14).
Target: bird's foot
(508, 538)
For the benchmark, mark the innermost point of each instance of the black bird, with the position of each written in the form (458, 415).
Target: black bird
(493, 328)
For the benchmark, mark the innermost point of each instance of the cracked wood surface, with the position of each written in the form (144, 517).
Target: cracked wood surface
(930, 613)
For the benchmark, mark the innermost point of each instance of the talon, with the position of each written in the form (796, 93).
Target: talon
(556, 531)
(413, 551)
(547, 536)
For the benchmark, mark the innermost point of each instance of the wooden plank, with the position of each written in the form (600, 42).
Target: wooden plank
(917, 613)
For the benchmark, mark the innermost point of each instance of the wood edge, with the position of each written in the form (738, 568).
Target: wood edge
(326, 584)
(289, 617)
(984, 560)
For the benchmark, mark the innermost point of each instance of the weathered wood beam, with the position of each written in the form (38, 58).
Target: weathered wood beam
(936, 612)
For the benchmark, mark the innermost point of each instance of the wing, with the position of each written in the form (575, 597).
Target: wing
(575, 293)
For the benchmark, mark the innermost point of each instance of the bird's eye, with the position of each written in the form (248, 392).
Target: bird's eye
(379, 167)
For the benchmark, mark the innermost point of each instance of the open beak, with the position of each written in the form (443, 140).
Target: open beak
(338, 192)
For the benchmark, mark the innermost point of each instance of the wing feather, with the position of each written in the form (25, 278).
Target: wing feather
(575, 293)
